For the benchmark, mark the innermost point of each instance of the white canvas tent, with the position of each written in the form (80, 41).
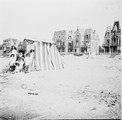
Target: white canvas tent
(46, 55)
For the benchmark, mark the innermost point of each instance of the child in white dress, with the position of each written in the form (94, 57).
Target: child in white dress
(27, 62)
(17, 69)
(21, 64)
(12, 61)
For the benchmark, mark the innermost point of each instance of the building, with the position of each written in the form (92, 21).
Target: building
(79, 41)
(91, 41)
(112, 43)
(107, 38)
(69, 41)
(64, 40)
(7, 43)
(1, 49)
(25, 46)
(115, 38)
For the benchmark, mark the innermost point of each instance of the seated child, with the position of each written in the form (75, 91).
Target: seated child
(12, 68)
(17, 67)
(12, 62)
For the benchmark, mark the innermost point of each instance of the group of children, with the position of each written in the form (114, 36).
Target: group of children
(20, 62)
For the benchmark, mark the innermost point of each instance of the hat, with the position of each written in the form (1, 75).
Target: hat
(27, 54)
(12, 55)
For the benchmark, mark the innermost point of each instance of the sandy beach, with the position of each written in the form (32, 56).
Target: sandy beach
(85, 88)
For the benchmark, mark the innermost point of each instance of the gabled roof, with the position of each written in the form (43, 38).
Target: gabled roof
(60, 31)
(105, 33)
(82, 32)
(88, 31)
(116, 26)
(108, 30)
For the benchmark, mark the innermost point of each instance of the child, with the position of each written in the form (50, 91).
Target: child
(21, 64)
(27, 62)
(12, 59)
(14, 51)
(12, 62)
(17, 67)
(20, 55)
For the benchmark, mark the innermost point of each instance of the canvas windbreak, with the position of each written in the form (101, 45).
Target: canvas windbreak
(45, 57)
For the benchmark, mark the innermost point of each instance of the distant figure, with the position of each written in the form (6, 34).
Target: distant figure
(88, 53)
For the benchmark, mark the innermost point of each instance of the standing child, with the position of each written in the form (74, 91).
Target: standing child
(27, 62)
(14, 51)
(21, 64)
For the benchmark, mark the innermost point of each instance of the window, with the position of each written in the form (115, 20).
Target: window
(70, 44)
(63, 43)
(114, 40)
(69, 37)
(114, 33)
(108, 42)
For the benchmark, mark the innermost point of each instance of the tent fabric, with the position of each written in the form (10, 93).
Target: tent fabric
(38, 40)
(29, 41)
(46, 56)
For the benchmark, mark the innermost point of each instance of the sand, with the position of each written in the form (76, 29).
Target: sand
(85, 88)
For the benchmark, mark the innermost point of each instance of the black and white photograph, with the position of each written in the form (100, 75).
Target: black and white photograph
(60, 59)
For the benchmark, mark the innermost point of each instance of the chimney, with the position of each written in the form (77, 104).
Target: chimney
(77, 27)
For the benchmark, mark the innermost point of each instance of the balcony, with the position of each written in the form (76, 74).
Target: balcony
(62, 46)
(105, 45)
(116, 35)
(113, 44)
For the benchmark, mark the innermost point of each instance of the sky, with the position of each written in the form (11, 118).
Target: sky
(39, 19)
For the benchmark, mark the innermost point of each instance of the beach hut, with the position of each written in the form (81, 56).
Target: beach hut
(46, 55)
